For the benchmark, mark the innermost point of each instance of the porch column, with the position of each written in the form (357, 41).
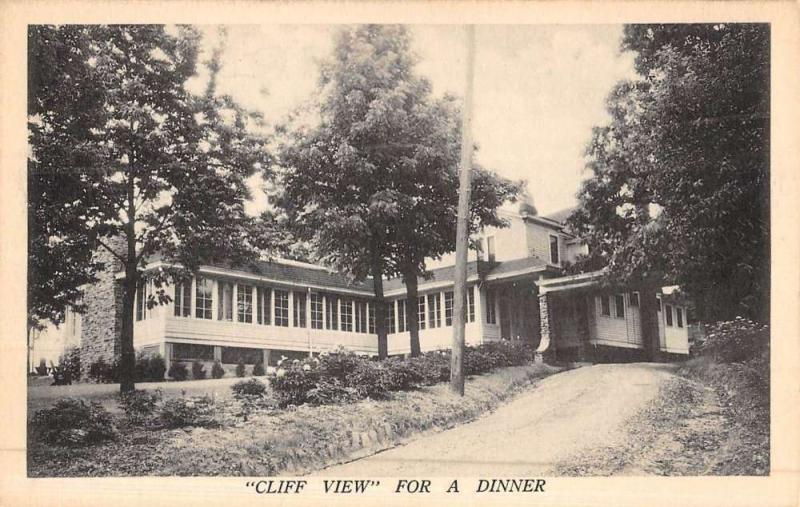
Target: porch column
(545, 351)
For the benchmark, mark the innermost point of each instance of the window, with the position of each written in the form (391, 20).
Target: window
(332, 312)
(421, 312)
(390, 317)
(668, 314)
(183, 298)
(264, 304)
(401, 316)
(490, 254)
(316, 311)
(471, 304)
(347, 315)
(619, 305)
(554, 259)
(361, 316)
(605, 307)
(633, 299)
(234, 355)
(244, 303)
(371, 318)
(299, 309)
(225, 301)
(203, 298)
(491, 309)
(190, 351)
(679, 316)
(658, 304)
(434, 311)
(140, 300)
(448, 308)
(281, 308)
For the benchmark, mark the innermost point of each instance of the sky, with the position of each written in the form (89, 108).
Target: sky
(539, 89)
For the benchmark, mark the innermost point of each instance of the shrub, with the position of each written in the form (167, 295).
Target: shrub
(72, 421)
(339, 364)
(292, 384)
(196, 411)
(402, 375)
(258, 369)
(249, 393)
(252, 387)
(139, 406)
(736, 341)
(217, 371)
(70, 362)
(370, 379)
(156, 367)
(198, 370)
(240, 369)
(330, 392)
(100, 371)
(434, 367)
(178, 371)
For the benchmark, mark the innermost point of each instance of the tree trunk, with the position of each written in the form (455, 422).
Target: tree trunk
(127, 358)
(648, 304)
(412, 315)
(380, 320)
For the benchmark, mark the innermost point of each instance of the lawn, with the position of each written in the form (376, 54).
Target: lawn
(297, 440)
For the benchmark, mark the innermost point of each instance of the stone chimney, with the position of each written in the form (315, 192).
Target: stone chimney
(101, 324)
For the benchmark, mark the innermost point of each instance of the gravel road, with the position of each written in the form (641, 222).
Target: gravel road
(561, 416)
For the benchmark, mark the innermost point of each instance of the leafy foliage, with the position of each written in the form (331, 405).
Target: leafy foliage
(72, 421)
(196, 411)
(736, 341)
(240, 369)
(101, 371)
(150, 367)
(70, 362)
(140, 406)
(198, 370)
(178, 371)
(679, 191)
(112, 121)
(259, 370)
(373, 185)
(217, 371)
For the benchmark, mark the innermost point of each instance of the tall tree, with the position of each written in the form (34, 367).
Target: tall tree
(680, 185)
(151, 167)
(373, 184)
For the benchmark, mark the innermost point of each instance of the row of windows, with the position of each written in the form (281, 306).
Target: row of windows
(327, 311)
(633, 300)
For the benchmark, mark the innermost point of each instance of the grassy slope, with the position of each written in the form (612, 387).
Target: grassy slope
(308, 437)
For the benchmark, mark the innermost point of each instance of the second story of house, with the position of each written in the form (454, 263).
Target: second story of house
(527, 235)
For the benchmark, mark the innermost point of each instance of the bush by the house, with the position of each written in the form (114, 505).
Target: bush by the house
(198, 370)
(178, 371)
(258, 369)
(139, 406)
(343, 376)
(217, 371)
(249, 394)
(195, 411)
(292, 383)
(240, 369)
(70, 363)
(103, 372)
(150, 367)
(736, 341)
(42, 369)
(72, 421)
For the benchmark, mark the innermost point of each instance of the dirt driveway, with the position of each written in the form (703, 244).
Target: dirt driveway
(566, 414)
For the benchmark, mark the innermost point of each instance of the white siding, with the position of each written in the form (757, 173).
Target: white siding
(616, 331)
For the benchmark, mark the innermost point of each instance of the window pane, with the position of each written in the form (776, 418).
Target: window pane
(390, 317)
(605, 307)
(140, 301)
(421, 312)
(347, 315)
(233, 355)
(448, 308)
(401, 316)
(244, 303)
(264, 304)
(554, 249)
(679, 316)
(491, 308)
(299, 309)
(633, 297)
(471, 304)
(434, 311)
(316, 311)
(190, 351)
(332, 312)
(203, 299)
(371, 318)
(225, 301)
(619, 304)
(668, 314)
(281, 308)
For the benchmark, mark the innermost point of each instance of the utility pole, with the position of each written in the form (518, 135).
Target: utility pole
(462, 229)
